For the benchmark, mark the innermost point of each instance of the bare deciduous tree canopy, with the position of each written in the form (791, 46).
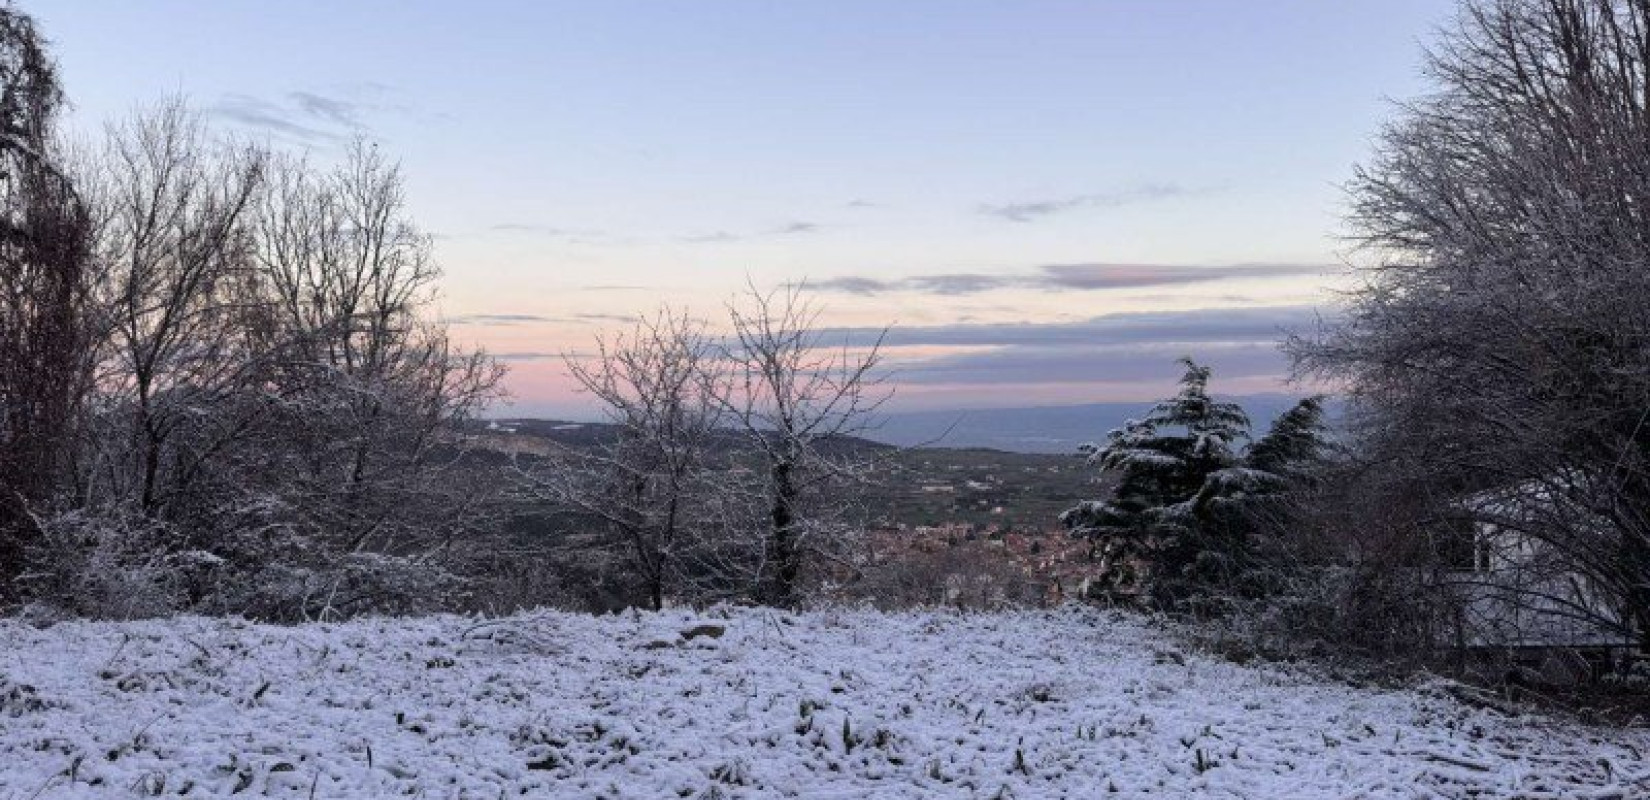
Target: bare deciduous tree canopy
(1504, 339)
(731, 470)
(652, 489)
(795, 395)
(221, 383)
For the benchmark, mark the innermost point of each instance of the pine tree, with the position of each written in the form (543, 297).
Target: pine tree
(1295, 441)
(1146, 531)
(1179, 527)
(1247, 512)
(1283, 460)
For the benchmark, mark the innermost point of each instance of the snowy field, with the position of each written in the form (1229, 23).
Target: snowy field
(1073, 703)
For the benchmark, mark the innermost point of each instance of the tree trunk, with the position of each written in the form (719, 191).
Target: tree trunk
(786, 557)
(16, 528)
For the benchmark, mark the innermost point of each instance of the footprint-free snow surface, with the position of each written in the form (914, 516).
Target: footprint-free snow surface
(742, 703)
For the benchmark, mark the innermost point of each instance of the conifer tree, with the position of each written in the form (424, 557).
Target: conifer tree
(1146, 530)
(1275, 464)
(1178, 528)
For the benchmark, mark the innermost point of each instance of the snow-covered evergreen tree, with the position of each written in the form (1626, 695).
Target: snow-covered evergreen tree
(1188, 497)
(1275, 464)
(1163, 461)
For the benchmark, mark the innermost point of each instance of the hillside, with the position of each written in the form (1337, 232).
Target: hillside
(1068, 703)
(920, 486)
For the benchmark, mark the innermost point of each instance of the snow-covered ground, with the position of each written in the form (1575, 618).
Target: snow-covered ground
(1072, 703)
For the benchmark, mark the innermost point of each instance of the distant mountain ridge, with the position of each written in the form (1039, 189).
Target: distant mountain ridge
(1045, 429)
(584, 435)
(1048, 430)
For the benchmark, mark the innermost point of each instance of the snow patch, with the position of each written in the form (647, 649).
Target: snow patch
(740, 703)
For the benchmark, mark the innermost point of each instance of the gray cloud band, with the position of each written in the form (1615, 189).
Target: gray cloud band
(1237, 342)
(1081, 277)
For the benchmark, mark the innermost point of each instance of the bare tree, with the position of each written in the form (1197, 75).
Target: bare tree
(213, 364)
(172, 213)
(1500, 344)
(47, 317)
(799, 400)
(273, 396)
(367, 391)
(651, 485)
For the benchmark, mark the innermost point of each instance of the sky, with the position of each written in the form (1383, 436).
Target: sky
(1049, 202)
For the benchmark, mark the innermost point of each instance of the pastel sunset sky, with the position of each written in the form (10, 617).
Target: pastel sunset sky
(1050, 201)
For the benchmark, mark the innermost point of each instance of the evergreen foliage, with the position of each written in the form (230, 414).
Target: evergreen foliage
(1190, 499)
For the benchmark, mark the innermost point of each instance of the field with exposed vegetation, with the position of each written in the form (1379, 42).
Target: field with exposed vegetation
(743, 703)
